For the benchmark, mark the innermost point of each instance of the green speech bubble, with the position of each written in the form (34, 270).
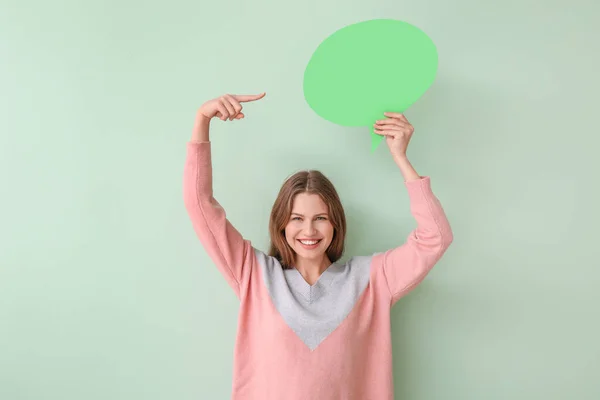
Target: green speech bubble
(368, 68)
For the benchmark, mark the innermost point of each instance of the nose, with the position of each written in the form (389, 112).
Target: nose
(310, 228)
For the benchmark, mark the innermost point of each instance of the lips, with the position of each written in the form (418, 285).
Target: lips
(309, 243)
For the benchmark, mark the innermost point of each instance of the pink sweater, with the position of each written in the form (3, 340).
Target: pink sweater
(328, 341)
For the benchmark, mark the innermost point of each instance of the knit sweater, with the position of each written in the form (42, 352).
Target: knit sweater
(327, 341)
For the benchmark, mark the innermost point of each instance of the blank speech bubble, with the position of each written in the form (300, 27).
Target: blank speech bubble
(368, 68)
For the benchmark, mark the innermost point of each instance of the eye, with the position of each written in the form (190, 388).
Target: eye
(295, 218)
(322, 218)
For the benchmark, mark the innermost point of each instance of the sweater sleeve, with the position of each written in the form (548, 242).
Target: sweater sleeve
(230, 252)
(404, 267)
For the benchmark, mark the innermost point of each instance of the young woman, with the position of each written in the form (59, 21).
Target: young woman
(310, 327)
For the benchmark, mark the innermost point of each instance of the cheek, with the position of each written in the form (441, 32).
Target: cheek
(289, 233)
(328, 230)
(286, 232)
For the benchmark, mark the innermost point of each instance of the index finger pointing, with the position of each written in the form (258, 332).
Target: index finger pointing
(248, 97)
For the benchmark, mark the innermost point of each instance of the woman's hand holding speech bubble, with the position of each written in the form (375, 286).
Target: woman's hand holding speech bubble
(368, 68)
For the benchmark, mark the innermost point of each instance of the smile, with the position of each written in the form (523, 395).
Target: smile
(309, 243)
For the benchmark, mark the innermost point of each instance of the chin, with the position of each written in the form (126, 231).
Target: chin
(310, 254)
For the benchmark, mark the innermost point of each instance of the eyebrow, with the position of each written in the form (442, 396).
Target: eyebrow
(315, 215)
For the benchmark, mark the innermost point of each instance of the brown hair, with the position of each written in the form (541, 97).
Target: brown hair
(313, 182)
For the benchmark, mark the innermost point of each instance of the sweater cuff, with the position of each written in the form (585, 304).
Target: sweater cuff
(419, 187)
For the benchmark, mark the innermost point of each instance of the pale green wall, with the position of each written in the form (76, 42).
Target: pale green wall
(105, 292)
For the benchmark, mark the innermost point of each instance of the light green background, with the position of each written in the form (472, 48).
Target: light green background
(105, 292)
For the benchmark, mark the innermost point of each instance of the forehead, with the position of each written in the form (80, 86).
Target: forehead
(308, 203)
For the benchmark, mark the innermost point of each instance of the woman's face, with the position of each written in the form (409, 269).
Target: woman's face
(309, 230)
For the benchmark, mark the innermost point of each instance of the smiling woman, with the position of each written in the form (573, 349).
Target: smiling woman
(307, 225)
(311, 327)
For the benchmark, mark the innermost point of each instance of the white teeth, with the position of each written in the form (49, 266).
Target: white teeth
(309, 242)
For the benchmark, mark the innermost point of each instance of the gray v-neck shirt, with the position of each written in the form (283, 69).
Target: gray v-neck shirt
(314, 311)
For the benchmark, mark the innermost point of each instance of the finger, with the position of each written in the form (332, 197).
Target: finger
(238, 116)
(384, 133)
(237, 107)
(224, 114)
(395, 115)
(249, 97)
(403, 129)
(228, 106)
(393, 119)
(395, 127)
(391, 122)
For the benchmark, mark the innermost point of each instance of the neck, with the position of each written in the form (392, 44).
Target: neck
(311, 269)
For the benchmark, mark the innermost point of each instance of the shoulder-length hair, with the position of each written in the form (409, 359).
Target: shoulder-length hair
(312, 182)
